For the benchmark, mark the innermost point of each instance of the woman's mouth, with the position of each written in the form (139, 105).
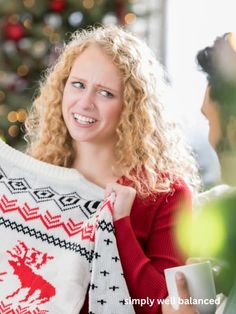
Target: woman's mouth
(82, 119)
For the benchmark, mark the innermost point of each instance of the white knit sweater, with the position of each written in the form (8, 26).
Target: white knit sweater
(57, 238)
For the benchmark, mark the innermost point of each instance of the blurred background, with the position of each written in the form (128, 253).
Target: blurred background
(32, 30)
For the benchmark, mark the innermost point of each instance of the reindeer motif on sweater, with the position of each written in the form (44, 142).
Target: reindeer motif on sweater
(23, 262)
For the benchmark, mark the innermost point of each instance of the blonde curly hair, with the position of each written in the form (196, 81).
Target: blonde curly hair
(150, 149)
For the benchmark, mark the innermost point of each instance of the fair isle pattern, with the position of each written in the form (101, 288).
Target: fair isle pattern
(56, 241)
(64, 202)
(71, 246)
(49, 221)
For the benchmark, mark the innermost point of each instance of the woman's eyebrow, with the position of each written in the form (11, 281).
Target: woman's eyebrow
(107, 87)
(98, 84)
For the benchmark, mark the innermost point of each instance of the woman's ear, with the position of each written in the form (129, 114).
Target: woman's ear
(231, 132)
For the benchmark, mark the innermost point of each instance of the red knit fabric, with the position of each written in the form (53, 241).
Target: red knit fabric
(147, 245)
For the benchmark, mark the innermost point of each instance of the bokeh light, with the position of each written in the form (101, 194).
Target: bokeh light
(12, 116)
(22, 70)
(204, 234)
(88, 4)
(75, 18)
(13, 130)
(130, 18)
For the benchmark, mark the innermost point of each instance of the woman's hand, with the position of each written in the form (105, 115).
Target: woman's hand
(183, 292)
(123, 200)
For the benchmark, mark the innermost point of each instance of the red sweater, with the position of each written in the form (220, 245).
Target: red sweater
(147, 246)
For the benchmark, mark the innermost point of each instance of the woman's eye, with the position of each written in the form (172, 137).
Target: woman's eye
(78, 85)
(106, 93)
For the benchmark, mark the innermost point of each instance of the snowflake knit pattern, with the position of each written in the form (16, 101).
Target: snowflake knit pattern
(57, 239)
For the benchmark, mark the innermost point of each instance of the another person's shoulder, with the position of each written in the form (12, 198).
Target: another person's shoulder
(213, 194)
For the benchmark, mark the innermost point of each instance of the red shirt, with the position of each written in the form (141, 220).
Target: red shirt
(146, 245)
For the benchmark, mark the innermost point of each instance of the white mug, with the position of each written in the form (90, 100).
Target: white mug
(200, 283)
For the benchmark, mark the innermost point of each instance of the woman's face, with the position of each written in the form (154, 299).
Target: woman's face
(92, 98)
(210, 109)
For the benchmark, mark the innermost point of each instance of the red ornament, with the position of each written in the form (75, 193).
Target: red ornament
(57, 5)
(13, 31)
(120, 10)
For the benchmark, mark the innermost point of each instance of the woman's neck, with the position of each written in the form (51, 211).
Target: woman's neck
(95, 163)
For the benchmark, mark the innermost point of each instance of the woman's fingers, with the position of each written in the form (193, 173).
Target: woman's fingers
(123, 200)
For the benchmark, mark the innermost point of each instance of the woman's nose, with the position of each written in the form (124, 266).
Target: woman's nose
(87, 100)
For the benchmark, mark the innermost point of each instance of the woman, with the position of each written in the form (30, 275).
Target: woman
(98, 111)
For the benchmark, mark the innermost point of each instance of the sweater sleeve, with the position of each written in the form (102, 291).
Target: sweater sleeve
(144, 265)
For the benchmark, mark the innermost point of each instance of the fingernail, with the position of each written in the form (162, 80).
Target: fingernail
(179, 276)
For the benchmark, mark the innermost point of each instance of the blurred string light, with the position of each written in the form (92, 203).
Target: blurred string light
(12, 116)
(8, 80)
(130, 18)
(26, 20)
(25, 44)
(39, 48)
(110, 18)
(27, 23)
(19, 115)
(53, 19)
(75, 19)
(88, 4)
(10, 48)
(48, 30)
(23, 70)
(54, 38)
(13, 130)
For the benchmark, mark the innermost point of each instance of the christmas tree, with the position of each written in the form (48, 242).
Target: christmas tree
(30, 32)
